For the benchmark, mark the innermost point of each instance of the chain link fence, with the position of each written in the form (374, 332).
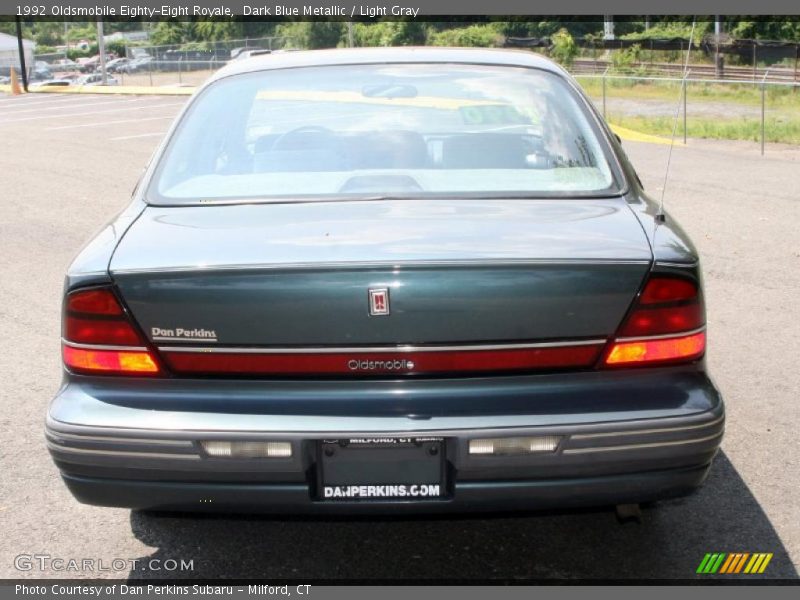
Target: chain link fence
(188, 64)
(165, 65)
(762, 111)
(643, 97)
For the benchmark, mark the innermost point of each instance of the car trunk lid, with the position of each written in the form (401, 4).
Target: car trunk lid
(267, 285)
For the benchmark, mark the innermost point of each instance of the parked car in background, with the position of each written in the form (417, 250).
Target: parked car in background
(136, 65)
(52, 83)
(96, 79)
(386, 280)
(115, 66)
(41, 71)
(64, 64)
(89, 65)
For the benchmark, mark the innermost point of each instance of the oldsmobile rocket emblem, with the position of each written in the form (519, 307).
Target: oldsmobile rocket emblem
(378, 302)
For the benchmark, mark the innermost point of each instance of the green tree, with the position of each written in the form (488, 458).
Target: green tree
(390, 33)
(48, 33)
(777, 28)
(475, 35)
(209, 30)
(313, 34)
(171, 32)
(564, 48)
(624, 60)
(671, 29)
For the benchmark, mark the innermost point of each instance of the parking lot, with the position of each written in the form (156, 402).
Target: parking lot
(69, 163)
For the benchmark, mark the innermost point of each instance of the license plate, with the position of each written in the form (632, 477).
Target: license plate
(375, 469)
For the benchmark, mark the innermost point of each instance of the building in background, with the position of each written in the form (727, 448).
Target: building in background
(9, 53)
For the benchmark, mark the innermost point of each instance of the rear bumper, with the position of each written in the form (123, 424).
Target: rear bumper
(468, 496)
(111, 453)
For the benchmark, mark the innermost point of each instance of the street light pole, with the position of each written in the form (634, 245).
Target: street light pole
(101, 46)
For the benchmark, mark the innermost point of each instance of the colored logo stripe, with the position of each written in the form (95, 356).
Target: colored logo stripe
(724, 563)
(711, 562)
(758, 563)
(735, 562)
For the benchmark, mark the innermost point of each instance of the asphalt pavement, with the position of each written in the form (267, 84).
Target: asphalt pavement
(69, 163)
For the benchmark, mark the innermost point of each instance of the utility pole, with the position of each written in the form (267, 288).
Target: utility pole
(101, 46)
(719, 67)
(21, 48)
(608, 27)
(350, 34)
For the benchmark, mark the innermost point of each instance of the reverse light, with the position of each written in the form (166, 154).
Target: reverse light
(111, 361)
(514, 445)
(665, 325)
(99, 337)
(668, 349)
(247, 449)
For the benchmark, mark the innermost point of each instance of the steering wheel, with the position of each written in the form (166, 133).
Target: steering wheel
(282, 139)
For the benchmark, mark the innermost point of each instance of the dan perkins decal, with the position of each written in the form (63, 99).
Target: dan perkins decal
(193, 335)
(400, 490)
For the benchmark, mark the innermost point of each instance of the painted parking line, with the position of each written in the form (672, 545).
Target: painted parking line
(70, 106)
(86, 114)
(637, 136)
(104, 123)
(140, 135)
(117, 90)
(33, 100)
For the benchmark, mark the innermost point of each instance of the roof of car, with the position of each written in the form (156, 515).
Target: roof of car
(351, 56)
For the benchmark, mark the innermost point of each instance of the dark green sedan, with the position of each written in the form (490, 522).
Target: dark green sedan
(386, 280)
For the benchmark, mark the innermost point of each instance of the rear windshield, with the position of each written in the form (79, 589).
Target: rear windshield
(400, 130)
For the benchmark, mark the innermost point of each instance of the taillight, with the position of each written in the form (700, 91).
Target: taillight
(99, 337)
(665, 325)
(644, 351)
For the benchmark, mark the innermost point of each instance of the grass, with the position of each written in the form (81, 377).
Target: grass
(778, 96)
(776, 129)
(782, 103)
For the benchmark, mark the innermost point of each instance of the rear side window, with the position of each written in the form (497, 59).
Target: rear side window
(398, 130)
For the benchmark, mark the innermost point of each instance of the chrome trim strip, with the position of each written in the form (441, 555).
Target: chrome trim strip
(589, 436)
(55, 436)
(378, 349)
(103, 347)
(643, 338)
(640, 446)
(56, 448)
(687, 265)
(388, 264)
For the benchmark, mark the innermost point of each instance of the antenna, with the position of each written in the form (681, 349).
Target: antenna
(661, 217)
